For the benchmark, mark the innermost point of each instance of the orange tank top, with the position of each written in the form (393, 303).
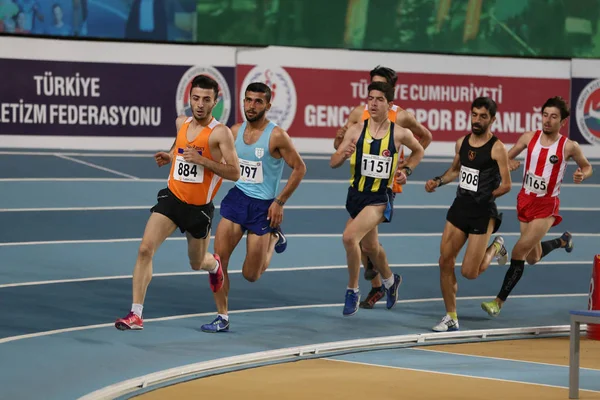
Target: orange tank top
(189, 182)
(392, 115)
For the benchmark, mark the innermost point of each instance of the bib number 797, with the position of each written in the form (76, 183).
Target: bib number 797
(251, 171)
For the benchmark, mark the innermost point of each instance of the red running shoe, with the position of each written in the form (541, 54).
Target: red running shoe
(131, 321)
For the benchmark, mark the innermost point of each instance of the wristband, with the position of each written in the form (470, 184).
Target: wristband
(439, 178)
(281, 203)
(408, 171)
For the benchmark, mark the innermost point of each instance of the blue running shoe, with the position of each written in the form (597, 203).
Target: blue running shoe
(351, 303)
(568, 238)
(218, 325)
(392, 292)
(281, 244)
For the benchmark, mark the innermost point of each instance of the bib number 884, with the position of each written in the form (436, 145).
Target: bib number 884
(185, 170)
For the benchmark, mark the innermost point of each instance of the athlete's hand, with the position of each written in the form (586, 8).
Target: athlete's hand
(513, 165)
(431, 185)
(400, 177)
(350, 149)
(578, 176)
(401, 163)
(341, 132)
(191, 155)
(162, 158)
(275, 215)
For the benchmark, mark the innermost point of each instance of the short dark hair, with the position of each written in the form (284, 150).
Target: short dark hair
(387, 89)
(559, 103)
(259, 87)
(205, 82)
(389, 74)
(486, 102)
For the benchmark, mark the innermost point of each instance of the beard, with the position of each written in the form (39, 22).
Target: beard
(256, 117)
(478, 129)
(547, 131)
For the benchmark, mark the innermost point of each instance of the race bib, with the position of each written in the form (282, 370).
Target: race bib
(469, 178)
(251, 171)
(376, 166)
(535, 184)
(187, 172)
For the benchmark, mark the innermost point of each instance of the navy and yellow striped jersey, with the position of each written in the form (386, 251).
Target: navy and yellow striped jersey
(373, 164)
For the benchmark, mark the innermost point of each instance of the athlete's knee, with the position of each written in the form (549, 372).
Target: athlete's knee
(447, 262)
(251, 274)
(469, 272)
(196, 266)
(207, 261)
(521, 250)
(532, 259)
(349, 239)
(146, 251)
(370, 248)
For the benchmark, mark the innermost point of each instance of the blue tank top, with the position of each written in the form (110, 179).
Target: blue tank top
(260, 173)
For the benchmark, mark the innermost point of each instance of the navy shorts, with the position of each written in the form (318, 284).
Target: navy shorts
(250, 213)
(356, 201)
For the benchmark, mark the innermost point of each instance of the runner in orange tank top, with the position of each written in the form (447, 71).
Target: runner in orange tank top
(405, 120)
(202, 155)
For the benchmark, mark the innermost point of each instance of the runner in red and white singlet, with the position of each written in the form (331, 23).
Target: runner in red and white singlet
(544, 171)
(538, 201)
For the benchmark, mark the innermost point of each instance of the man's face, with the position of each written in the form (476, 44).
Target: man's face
(378, 104)
(480, 120)
(255, 106)
(551, 122)
(202, 102)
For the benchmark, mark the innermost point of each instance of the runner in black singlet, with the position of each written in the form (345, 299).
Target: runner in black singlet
(481, 164)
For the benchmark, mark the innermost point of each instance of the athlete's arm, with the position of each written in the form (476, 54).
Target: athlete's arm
(346, 148)
(284, 146)
(408, 121)
(165, 157)
(585, 168)
(517, 148)
(353, 118)
(417, 151)
(408, 139)
(231, 168)
(451, 174)
(500, 154)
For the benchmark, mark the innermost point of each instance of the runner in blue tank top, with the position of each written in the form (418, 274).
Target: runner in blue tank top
(255, 204)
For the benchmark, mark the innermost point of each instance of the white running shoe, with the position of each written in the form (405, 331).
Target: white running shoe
(502, 254)
(448, 324)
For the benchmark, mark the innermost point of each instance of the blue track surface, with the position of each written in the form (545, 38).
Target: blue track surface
(76, 277)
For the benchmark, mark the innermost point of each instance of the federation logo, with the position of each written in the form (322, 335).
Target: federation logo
(472, 155)
(588, 112)
(553, 159)
(222, 109)
(283, 93)
(386, 153)
(259, 152)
